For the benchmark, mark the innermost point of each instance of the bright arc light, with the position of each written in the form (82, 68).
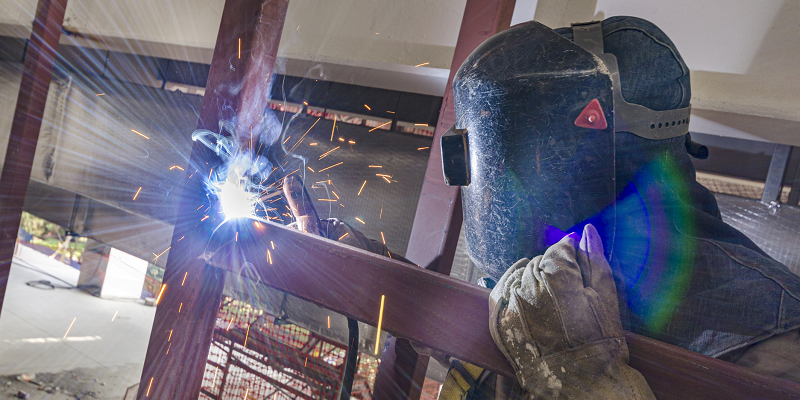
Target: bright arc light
(236, 202)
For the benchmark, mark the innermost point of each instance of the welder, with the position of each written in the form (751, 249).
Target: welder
(572, 149)
(582, 206)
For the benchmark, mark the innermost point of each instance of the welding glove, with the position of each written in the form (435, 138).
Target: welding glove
(556, 319)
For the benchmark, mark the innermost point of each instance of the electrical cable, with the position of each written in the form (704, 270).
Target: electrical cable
(352, 360)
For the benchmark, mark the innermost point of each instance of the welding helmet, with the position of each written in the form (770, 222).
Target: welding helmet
(539, 118)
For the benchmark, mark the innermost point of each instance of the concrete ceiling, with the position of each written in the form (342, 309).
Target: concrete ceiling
(742, 54)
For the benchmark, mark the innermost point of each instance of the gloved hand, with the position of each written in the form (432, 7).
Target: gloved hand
(556, 319)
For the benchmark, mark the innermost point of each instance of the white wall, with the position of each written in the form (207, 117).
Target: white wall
(124, 276)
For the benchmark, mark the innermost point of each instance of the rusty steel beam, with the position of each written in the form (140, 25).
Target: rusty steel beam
(237, 87)
(36, 75)
(437, 223)
(448, 314)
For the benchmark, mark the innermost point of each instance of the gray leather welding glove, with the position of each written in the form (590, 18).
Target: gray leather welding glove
(556, 319)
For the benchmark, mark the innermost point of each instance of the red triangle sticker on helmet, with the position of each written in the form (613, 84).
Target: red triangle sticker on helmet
(592, 116)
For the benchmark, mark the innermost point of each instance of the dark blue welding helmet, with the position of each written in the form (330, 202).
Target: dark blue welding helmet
(537, 122)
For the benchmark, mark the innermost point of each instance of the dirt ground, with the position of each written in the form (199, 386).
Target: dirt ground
(81, 383)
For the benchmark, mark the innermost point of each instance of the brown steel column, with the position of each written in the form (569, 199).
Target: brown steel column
(437, 223)
(238, 86)
(36, 76)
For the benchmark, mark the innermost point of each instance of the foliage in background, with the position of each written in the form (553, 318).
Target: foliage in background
(39, 227)
(155, 272)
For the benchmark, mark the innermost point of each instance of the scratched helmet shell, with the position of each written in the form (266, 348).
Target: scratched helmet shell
(538, 122)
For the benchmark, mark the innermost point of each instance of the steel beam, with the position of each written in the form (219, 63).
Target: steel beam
(238, 82)
(36, 76)
(448, 314)
(437, 223)
(777, 169)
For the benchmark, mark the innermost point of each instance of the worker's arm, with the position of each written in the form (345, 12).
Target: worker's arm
(556, 319)
(306, 219)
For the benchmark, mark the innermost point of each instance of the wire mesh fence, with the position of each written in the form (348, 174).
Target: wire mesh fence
(255, 355)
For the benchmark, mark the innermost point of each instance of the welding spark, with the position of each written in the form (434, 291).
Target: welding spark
(380, 322)
(245, 394)
(137, 193)
(272, 244)
(419, 65)
(390, 112)
(170, 335)
(375, 166)
(383, 238)
(229, 324)
(362, 188)
(100, 94)
(247, 335)
(343, 236)
(324, 169)
(367, 107)
(140, 134)
(359, 220)
(423, 148)
(148, 388)
(204, 218)
(164, 286)
(159, 255)
(70, 327)
(269, 257)
(176, 166)
(115, 316)
(334, 126)
(312, 144)
(329, 322)
(329, 152)
(185, 274)
(305, 102)
(379, 126)
(334, 193)
(386, 179)
(180, 307)
(341, 139)
(351, 141)
(420, 124)
(240, 47)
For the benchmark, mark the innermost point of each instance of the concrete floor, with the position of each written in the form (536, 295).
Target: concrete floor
(34, 321)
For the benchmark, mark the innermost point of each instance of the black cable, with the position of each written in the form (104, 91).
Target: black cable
(352, 360)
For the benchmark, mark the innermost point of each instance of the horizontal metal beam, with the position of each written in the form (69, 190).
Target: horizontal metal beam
(444, 313)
